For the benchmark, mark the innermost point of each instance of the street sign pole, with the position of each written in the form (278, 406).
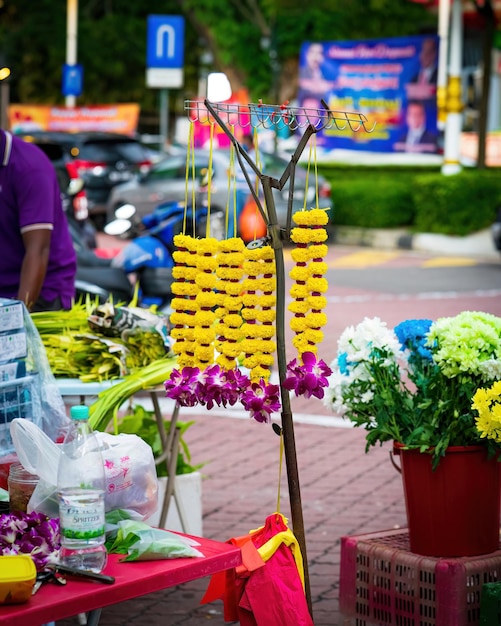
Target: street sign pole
(71, 42)
(164, 116)
(165, 61)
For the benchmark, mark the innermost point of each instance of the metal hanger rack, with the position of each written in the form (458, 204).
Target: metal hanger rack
(227, 116)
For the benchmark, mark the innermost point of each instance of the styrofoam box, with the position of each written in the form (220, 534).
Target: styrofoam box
(13, 345)
(18, 398)
(382, 583)
(11, 315)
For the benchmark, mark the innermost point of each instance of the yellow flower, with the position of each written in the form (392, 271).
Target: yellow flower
(318, 284)
(299, 306)
(308, 235)
(206, 263)
(207, 246)
(301, 343)
(313, 217)
(298, 324)
(229, 273)
(260, 372)
(317, 303)
(267, 301)
(316, 320)
(204, 318)
(261, 331)
(313, 251)
(234, 334)
(300, 273)
(266, 316)
(185, 289)
(233, 320)
(206, 299)
(183, 272)
(250, 299)
(233, 244)
(299, 291)
(205, 281)
(233, 259)
(487, 402)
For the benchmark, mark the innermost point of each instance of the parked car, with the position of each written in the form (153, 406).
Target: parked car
(166, 181)
(102, 160)
(73, 193)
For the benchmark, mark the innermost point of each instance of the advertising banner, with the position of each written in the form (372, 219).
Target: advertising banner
(393, 82)
(116, 118)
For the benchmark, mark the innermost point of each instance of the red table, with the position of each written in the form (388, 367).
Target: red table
(53, 602)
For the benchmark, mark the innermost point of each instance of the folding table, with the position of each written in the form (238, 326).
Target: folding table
(54, 602)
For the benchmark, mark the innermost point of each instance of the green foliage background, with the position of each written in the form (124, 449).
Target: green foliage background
(256, 42)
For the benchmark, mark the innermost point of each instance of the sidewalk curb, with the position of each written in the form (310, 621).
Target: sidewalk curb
(477, 244)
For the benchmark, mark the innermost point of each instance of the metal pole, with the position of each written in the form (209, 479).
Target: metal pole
(71, 41)
(164, 116)
(4, 104)
(286, 413)
(454, 105)
(443, 49)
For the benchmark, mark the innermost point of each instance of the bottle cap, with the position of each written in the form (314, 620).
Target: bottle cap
(79, 412)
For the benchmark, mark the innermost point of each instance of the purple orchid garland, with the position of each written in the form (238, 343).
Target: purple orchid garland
(215, 386)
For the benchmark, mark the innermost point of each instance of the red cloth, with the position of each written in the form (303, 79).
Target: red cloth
(259, 593)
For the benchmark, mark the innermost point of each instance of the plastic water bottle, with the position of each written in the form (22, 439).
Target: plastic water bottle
(81, 489)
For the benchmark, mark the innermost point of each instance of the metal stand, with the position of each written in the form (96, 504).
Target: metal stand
(271, 116)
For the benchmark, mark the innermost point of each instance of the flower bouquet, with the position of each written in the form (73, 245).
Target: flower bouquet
(414, 384)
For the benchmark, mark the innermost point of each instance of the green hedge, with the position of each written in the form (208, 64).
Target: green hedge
(421, 199)
(456, 205)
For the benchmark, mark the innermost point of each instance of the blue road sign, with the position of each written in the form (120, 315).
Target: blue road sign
(72, 84)
(165, 42)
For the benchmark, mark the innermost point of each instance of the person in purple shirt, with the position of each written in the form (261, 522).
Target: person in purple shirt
(37, 257)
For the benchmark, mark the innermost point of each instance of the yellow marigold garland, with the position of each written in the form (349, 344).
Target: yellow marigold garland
(183, 303)
(205, 317)
(309, 282)
(259, 301)
(229, 273)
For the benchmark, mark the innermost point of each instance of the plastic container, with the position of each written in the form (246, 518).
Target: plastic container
(21, 486)
(17, 577)
(81, 489)
(454, 510)
(382, 582)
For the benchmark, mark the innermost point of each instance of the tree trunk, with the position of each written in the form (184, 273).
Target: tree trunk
(488, 42)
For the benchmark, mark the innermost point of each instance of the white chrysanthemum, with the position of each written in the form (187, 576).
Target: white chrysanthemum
(360, 342)
(490, 369)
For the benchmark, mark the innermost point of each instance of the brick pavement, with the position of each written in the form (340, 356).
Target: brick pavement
(344, 491)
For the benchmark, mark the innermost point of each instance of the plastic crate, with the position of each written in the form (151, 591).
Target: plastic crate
(18, 398)
(382, 583)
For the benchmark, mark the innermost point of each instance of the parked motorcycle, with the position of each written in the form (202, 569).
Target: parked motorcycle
(149, 255)
(75, 205)
(95, 276)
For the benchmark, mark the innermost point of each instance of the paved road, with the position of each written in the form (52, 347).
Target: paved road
(344, 491)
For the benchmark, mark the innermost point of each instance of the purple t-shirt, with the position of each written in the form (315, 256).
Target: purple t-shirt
(29, 194)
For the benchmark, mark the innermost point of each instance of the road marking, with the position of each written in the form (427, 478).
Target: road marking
(369, 258)
(446, 261)
(365, 258)
(424, 295)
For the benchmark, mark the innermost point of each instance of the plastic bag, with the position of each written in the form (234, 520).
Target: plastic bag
(131, 478)
(141, 542)
(54, 418)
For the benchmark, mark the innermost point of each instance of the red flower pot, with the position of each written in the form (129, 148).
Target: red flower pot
(454, 510)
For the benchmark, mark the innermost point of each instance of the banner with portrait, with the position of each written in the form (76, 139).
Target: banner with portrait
(393, 82)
